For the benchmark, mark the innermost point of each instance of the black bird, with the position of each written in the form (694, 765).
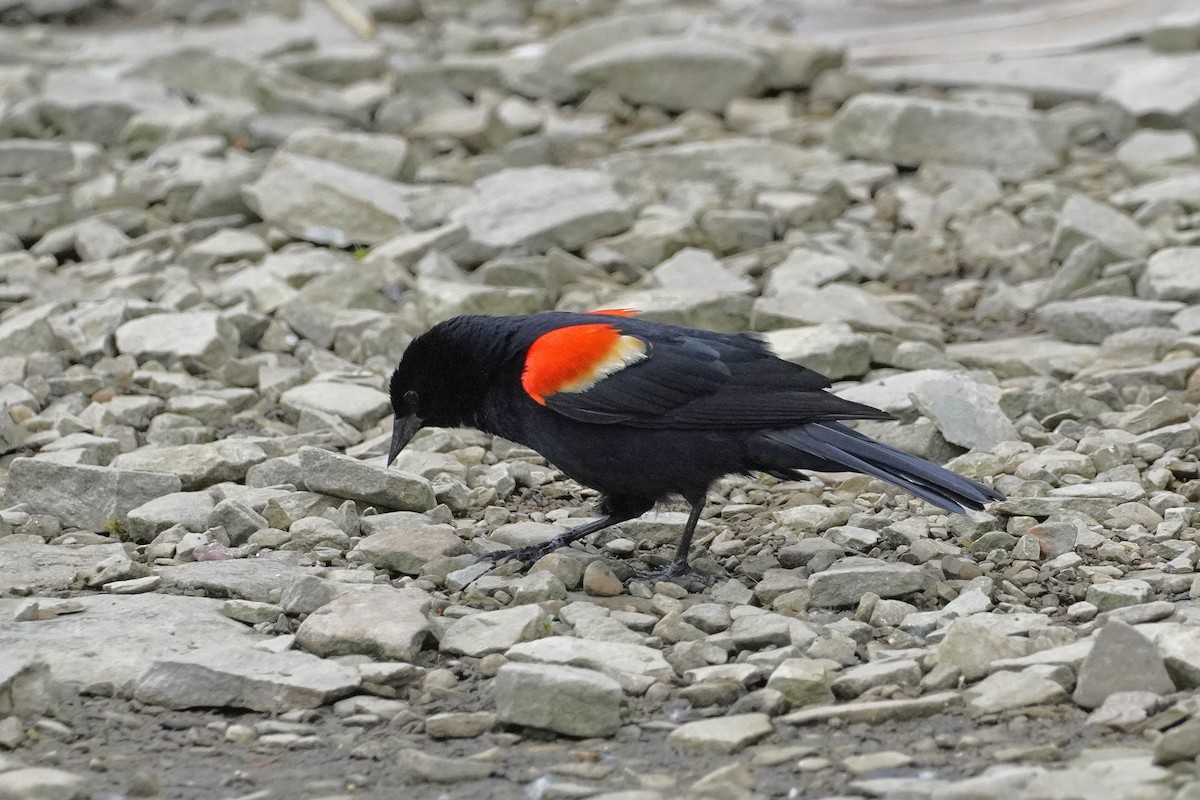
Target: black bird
(642, 411)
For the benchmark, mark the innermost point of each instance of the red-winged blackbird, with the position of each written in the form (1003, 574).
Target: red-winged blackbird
(642, 411)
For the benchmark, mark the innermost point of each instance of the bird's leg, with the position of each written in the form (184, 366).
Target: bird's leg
(679, 564)
(616, 513)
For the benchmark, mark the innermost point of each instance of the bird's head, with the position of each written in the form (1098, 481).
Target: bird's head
(440, 378)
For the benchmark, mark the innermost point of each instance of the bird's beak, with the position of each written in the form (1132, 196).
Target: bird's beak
(403, 430)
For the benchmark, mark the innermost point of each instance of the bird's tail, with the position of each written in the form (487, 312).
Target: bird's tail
(833, 447)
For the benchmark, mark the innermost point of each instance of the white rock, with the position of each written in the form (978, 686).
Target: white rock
(221, 677)
(495, 631)
(568, 700)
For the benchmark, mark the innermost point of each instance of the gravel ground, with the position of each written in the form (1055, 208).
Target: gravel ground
(222, 223)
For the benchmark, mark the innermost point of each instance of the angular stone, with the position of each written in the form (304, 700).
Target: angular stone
(692, 267)
(196, 465)
(205, 337)
(1122, 660)
(221, 677)
(675, 73)
(1160, 92)
(26, 687)
(382, 623)
(407, 548)
(1083, 219)
(1093, 319)
(633, 665)
(189, 509)
(844, 583)
(327, 203)
(727, 734)
(967, 412)
(389, 157)
(533, 209)
(802, 682)
(972, 650)
(835, 302)
(116, 637)
(495, 631)
(832, 349)
(1004, 691)
(343, 476)
(1118, 594)
(1172, 273)
(41, 783)
(361, 406)
(428, 768)
(92, 498)
(876, 711)
(1013, 143)
(860, 679)
(567, 700)
(260, 580)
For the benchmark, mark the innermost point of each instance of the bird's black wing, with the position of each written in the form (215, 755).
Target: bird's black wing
(691, 379)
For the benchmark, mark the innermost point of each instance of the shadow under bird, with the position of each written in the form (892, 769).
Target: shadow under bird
(642, 411)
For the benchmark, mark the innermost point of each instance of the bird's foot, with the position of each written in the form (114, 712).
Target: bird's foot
(526, 555)
(677, 569)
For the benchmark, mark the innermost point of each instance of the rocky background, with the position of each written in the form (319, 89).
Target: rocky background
(221, 223)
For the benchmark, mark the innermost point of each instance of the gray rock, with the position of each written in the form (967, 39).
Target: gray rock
(967, 412)
(859, 679)
(93, 105)
(802, 681)
(408, 548)
(327, 203)
(1146, 149)
(1181, 743)
(389, 157)
(222, 677)
(1083, 219)
(27, 330)
(383, 623)
(692, 267)
(439, 299)
(1159, 92)
(1094, 319)
(260, 580)
(116, 637)
(191, 336)
(41, 783)
(1179, 646)
(1117, 594)
(361, 406)
(973, 650)
(1004, 691)
(1014, 144)
(427, 768)
(727, 734)
(92, 498)
(196, 465)
(699, 307)
(844, 583)
(495, 631)
(222, 247)
(536, 208)
(634, 666)
(189, 509)
(1172, 273)
(238, 519)
(832, 349)
(836, 302)
(1024, 355)
(567, 700)
(1122, 660)
(342, 476)
(26, 687)
(676, 73)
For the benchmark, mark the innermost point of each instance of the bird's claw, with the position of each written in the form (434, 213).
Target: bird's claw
(525, 555)
(677, 569)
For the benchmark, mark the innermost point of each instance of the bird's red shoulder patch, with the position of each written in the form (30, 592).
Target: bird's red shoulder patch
(573, 359)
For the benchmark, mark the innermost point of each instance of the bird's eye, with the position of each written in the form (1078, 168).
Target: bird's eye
(411, 399)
